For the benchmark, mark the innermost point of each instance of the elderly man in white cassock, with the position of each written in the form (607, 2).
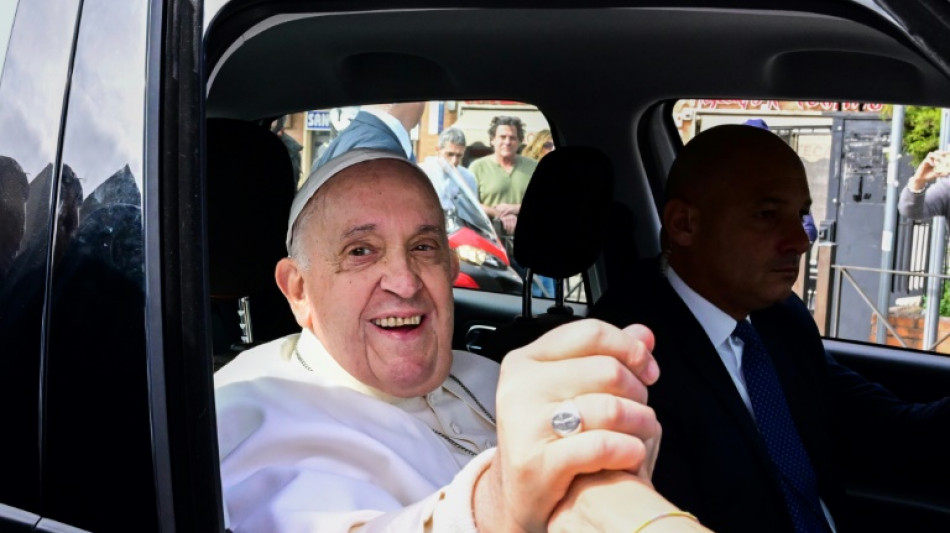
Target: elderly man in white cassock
(367, 420)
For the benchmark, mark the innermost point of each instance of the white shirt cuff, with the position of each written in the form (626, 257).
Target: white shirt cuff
(453, 512)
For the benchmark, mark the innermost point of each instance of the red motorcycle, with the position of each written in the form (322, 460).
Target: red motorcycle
(484, 263)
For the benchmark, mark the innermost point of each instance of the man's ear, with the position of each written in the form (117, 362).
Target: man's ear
(290, 279)
(679, 222)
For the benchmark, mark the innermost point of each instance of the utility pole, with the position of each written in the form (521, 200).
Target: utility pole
(890, 221)
(938, 234)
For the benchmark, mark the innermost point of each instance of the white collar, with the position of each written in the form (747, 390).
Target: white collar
(715, 322)
(313, 356)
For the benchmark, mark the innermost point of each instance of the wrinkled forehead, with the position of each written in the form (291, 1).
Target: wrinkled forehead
(506, 130)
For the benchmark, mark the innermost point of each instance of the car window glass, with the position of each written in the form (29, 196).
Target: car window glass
(7, 11)
(857, 269)
(480, 238)
(96, 321)
(32, 89)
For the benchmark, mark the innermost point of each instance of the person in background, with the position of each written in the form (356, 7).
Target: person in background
(538, 146)
(367, 419)
(925, 195)
(808, 223)
(541, 143)
(381, 126)
(445, 170)
(293, 147)
(503, 176)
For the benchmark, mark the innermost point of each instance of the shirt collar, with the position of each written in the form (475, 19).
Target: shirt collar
(315, 355)
(312, 352)
(715, 322)
(396, 127)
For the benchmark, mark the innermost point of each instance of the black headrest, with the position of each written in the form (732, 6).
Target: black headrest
(564, 212)
(250, 189)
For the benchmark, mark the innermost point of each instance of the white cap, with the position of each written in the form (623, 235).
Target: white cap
(331, 168)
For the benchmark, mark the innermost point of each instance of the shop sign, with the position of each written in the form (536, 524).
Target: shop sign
(318, 120)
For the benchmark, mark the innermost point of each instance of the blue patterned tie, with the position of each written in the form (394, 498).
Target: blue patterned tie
(799, 484)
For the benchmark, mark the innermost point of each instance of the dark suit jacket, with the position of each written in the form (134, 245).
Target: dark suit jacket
(712, 460)
(364, 131)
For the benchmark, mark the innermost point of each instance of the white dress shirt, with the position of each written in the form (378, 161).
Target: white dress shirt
(718, 327)
(306, 447)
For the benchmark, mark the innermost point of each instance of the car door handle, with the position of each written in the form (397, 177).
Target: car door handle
(475, 337)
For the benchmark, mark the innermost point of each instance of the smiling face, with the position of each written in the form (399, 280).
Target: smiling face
(737, 236)
(377, 286)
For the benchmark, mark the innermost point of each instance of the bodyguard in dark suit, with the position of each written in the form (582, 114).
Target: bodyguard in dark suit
(753, 411)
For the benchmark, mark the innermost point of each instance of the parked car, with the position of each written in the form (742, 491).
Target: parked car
(105, 107)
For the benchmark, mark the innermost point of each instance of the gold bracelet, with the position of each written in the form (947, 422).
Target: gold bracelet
(661, 516)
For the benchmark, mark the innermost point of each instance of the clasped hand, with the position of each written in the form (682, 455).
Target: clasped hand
(605, 372)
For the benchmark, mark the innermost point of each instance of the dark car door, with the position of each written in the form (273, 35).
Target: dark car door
(96, 418)
(93, 95)
(33, 89)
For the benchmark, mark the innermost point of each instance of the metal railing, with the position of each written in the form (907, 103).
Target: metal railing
(829, 321)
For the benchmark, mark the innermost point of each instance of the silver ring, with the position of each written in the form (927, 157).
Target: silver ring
(566, 420)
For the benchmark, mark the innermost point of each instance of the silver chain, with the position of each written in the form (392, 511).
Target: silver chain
(447, 438)
(302, 362)
(472, 396)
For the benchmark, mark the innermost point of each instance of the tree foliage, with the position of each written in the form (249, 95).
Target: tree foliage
(921, 130)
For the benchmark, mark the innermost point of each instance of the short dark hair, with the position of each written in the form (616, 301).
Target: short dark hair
(504, 120)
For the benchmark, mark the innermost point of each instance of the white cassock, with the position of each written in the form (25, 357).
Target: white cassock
(306, 447)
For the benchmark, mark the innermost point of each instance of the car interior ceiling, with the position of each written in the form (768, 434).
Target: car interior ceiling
(635, 58)
(641, 55)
